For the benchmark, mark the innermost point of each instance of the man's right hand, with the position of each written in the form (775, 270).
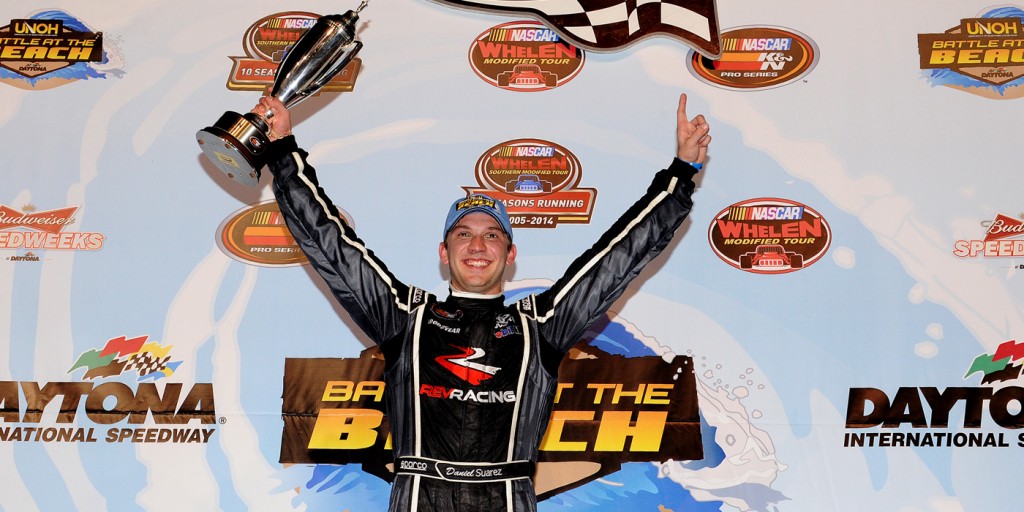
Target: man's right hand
(279, 120)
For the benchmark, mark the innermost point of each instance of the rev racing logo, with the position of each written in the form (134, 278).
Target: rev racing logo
(31, 412)
(265, 44)
(953, 417)
(465, 367)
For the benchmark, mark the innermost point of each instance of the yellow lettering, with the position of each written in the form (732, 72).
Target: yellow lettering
(345, 429)
(616, 426)
(553, 437)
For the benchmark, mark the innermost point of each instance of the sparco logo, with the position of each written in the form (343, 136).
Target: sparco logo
(537, 180)
(413, 465)
(757, 58)
(769, 235)
(265, 44)
(524, 56)
(983, 55)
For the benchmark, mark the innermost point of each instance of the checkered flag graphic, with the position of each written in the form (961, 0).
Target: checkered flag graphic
(605, 25)
(145, 363)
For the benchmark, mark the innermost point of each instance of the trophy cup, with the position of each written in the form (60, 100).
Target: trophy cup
(235, 143)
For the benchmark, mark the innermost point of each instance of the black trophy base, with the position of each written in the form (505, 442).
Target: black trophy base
(235, 145)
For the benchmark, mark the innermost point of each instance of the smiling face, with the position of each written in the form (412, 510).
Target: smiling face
(477, 251)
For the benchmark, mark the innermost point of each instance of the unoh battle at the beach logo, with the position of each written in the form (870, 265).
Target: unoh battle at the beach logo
(267, 41)
(537, 180)
(982, 55)
(51, 48)
(769, 235)
(524, 56)
(757, 58)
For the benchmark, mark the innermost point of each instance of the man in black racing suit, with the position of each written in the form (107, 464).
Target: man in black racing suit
(470, 380)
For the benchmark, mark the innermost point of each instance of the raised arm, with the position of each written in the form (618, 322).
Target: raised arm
(361, 283)
(598, 277)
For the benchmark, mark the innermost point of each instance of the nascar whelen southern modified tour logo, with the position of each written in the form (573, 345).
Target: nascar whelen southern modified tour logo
(537, 180)
(51, 48)
(769, 235)
(267, 41)
(524, 56)
(983, 55)
(258, 235)
(757, 58)
(32, 230)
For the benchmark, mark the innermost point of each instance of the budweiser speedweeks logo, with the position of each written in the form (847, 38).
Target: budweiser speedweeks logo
(44, 230)
(1004, 237)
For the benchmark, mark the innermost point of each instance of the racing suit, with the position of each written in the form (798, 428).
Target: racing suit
(470, 380)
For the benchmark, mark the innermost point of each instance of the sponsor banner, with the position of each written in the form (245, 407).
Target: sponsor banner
(115, 411)
(605, 25)
(265, 44)
(524, 56)
(769, 235)
(923, 417)
(1004, 238)
(257, 235)
(982, 55)
(538, 182)
(51, 48)
(608, 409)
(44, 230)
(757, 57)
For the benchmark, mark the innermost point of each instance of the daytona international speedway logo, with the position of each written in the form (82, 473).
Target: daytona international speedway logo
(149, 360)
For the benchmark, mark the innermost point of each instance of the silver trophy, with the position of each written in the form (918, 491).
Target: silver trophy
(236, 142)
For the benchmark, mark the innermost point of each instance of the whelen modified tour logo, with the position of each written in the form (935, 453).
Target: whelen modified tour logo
(1004, 237)
(769, 235)
(31, 230)
(267, 41)
(524, 56)
(921, 417)
(537, 180)
(131, 412)
(51, 48)
(757, 58)
(983, 55)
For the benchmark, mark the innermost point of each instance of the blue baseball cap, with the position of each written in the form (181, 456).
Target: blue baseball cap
(477, 203)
